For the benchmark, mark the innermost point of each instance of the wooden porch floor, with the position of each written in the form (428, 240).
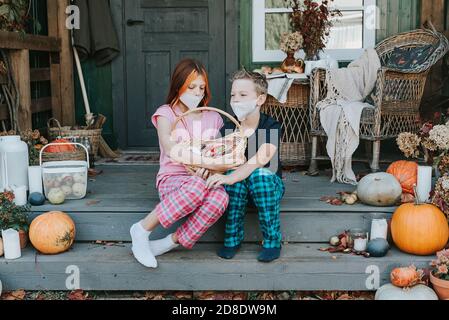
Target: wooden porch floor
(123, 194)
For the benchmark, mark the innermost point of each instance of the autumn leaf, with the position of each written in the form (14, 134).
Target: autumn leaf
(14, 295)
(78, 295)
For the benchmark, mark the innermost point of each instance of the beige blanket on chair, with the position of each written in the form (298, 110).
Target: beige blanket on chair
(341, 111)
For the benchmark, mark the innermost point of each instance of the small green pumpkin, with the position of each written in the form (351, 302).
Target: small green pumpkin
(36, 199)
(378, 248)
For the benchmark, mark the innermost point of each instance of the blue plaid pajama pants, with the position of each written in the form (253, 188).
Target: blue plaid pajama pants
(266, 190)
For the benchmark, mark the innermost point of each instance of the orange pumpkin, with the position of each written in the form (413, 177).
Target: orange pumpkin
(61, 148)
(405, 277)
(419, 229)
(407, 174)
(52, 232)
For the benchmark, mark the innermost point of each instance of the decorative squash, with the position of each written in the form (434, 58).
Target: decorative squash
(379, 189)
(378, 248)
(36, 199)
(419, 229)
(407, 174)
(405, 277)
(52, 232)
(419, 292)
(61, 148)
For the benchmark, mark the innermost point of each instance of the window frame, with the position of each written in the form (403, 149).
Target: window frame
(259, 54)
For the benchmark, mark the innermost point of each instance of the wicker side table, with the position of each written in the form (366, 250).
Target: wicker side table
(294, 118)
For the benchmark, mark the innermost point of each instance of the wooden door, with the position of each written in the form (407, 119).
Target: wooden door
(158, 34)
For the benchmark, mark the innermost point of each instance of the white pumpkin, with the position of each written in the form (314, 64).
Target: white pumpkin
(79, 178)
(1, 247)
(419, 292)
(379, 189)
(56, 196)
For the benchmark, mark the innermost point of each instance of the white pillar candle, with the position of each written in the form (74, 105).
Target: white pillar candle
(20, 195)
(379, 229)
(424, 183)
(360, 244)
(11, 244)
(35, 179)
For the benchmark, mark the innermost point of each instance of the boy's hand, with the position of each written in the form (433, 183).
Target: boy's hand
(219, 180)
(202, 173)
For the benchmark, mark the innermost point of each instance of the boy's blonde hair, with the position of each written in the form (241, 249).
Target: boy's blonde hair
(259, 80)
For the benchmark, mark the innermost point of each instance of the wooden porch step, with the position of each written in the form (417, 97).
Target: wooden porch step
(301, 267)
(310, 225)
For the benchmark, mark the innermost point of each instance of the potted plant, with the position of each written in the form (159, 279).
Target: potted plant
(14, 217)
(290, 44)
(439, 274)
(313, 21)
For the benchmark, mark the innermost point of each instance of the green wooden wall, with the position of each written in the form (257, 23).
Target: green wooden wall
(396, 16)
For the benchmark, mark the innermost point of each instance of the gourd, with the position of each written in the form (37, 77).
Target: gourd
(406, 172)
(56, 196)
(67, 190)
(61, 148)
(79, 189)
(378, 248)
(52, 232)
(379, 189)
(36, 199)
(419, 292)
(405, 277)
(419, 229)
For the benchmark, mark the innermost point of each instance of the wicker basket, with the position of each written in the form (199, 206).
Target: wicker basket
(233, 146)
(294, 118)
(79, 154)
(94, 135)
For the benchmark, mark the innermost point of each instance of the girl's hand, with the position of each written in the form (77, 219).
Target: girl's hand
(219, 180)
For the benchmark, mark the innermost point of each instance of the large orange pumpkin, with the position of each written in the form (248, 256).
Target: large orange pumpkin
(419, 229)
(52, 232)
(61, 148)
(407, 174)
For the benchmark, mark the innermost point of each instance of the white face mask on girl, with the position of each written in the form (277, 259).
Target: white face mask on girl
(190, 100)
(243, 109)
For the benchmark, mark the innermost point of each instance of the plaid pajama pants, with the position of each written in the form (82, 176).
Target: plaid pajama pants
(266, 191)
(187, 195)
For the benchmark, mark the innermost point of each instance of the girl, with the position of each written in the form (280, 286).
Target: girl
(181, 193)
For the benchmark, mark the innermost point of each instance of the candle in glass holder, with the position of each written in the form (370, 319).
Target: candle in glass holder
(11, 244)
(35, 179)
(20, 195)
(379, 229)
(360, 240)
(424, 183)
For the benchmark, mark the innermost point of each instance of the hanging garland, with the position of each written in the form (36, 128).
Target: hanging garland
(14, 14)
(9, 95)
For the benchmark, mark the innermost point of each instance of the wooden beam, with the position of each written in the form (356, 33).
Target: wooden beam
(433, 10)
(40, 74)
(18, 41)
(66, 66)
(41, 105)
(20, 65)
(55, 66)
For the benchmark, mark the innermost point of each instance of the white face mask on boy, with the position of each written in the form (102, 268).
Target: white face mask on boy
(243, 109)
(190, 100)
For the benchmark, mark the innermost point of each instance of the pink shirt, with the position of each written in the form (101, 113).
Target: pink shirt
(207, 128)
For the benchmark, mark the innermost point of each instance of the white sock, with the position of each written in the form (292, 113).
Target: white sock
(141, 247)
(161, 246)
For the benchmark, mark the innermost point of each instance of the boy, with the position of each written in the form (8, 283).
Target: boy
(260, 179)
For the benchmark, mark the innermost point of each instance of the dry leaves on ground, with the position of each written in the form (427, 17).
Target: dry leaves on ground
(14, 295)
(78, 295)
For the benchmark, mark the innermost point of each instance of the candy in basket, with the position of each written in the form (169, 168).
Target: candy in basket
(228, 151)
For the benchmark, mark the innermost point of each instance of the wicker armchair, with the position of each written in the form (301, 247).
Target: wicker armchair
(397, 96)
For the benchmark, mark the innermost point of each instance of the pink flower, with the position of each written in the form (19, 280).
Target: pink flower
(443, 269)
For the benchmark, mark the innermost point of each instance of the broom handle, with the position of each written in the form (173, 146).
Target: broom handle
(81, 78)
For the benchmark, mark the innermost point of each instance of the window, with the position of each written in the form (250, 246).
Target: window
(352, 32)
